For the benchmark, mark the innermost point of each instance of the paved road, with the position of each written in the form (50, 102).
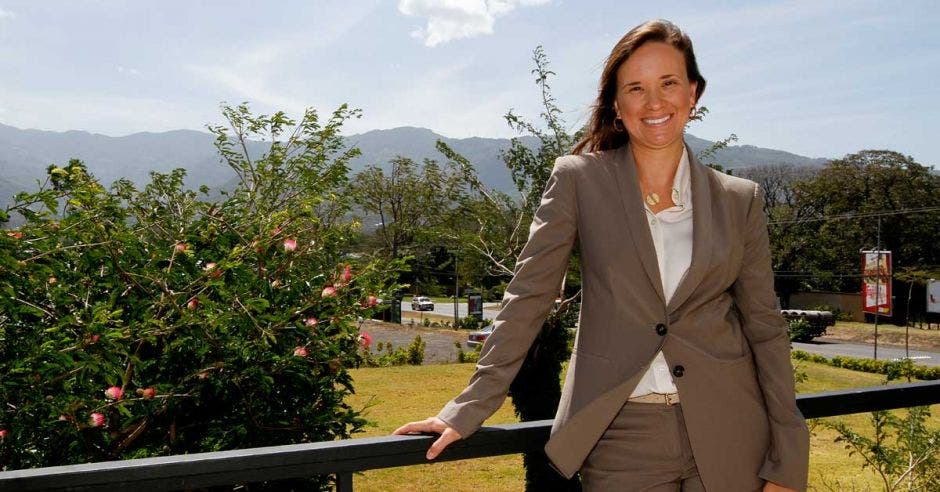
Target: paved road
(831, 348)
(447, 309)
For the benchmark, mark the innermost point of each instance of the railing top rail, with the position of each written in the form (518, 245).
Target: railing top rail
(303, 460)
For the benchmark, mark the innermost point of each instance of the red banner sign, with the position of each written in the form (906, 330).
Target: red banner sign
(876, 282)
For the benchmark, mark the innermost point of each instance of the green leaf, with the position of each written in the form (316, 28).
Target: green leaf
(258, 304)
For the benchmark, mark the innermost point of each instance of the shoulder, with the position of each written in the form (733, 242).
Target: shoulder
(586, 163)
(743, 189)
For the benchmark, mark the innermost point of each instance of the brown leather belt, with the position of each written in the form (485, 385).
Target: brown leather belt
(661, 398)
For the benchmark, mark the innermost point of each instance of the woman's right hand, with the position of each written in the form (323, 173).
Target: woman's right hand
(435, 425)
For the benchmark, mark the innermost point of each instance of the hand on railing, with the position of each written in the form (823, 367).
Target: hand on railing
(435, 425)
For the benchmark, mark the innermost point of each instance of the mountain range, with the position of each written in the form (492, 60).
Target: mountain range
(25, 154)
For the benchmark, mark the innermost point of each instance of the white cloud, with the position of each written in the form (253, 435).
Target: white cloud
(6, 14)
(128, 70)
(456, 19)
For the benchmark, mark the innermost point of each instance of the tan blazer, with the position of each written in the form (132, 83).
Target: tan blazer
(721, 332)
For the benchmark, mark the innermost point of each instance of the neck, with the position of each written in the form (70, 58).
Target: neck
(657, 167)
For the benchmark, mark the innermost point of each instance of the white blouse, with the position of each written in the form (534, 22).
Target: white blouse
(672, 237)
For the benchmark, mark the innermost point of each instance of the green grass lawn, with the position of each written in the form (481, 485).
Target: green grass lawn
(400, 394)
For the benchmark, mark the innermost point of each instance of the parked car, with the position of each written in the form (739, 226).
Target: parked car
(422, 303)
(476, 338)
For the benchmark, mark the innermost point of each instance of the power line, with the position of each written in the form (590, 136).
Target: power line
(858, 215)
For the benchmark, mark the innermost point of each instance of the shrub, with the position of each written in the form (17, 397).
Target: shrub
(413, 354)
(471, 356)
(903, 452)
(894, 369)
(416, 351)
(223, 324)
(800, 330)
(469, 323)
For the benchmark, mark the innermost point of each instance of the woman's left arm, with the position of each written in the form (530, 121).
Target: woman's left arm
(787, 460)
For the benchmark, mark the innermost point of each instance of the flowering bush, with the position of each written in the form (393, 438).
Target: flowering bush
(177, 324)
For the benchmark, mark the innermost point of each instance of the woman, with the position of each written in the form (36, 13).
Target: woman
(680, 378)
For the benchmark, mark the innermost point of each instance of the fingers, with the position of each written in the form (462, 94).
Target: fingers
(430, 424)
(435, 425)
(448, 436)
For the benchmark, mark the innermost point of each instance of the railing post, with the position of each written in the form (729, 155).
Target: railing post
(344, 482)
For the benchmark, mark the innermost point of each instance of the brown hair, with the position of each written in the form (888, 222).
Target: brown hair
(601, 134)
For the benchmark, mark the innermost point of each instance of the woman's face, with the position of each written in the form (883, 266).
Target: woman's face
(654, 96)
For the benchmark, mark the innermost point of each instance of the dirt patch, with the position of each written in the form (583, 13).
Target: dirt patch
(439, 342)
(887, 335)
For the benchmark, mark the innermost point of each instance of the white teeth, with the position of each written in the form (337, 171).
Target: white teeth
(658, 121)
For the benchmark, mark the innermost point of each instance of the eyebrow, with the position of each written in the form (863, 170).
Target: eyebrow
(668, 75)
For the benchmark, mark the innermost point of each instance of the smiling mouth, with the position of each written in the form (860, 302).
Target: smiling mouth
(657, 121)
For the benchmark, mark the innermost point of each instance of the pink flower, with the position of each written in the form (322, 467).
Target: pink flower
(192, 304)
(114, 392)
(96, 419)
(15, 234)
(328, 291)
(365, 340)
(180, 247)
(148, 393)
(212, 270)
(4, 433)
(290, 244)
(347, 274)
(301, 352)
(372, 301)
(311, 321)
(95, 338)
(275, 231)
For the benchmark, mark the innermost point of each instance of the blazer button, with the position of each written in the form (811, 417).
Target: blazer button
(678, 371)
(661, 329)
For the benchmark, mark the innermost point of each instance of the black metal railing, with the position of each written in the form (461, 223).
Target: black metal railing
(343, 458)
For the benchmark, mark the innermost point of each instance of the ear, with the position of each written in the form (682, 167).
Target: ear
(692, 99)
(616, 109)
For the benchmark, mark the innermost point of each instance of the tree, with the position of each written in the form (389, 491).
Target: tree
(836, 213)
(415, 207)
(151, 322)
(412, 202)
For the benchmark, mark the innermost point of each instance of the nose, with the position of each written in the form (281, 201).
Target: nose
(654, 100)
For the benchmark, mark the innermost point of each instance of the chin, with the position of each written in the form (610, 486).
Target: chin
(658, 142)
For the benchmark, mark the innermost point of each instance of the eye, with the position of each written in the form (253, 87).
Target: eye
(634, 88)
(670, 82)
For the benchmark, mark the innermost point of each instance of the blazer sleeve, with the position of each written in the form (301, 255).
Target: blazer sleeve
(787, 460)
(526, 303)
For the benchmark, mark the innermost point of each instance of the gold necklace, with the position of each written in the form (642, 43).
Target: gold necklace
(652, 198)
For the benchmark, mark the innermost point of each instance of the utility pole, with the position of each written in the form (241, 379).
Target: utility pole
(456, 292)
(877, 286)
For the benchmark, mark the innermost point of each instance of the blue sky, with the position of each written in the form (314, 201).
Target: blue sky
(818, 78)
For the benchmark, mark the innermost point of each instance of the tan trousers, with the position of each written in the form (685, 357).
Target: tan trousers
(645, 448)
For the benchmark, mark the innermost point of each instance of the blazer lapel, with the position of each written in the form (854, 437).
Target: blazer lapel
(635, 214)
(701, 232)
